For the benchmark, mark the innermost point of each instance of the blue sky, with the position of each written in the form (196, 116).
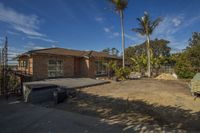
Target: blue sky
(92, 24)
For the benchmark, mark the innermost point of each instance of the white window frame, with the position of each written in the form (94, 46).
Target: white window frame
(101, 69)
(58, 70)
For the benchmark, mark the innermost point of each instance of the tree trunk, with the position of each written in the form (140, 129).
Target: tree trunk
(123, 39)
(148, 57)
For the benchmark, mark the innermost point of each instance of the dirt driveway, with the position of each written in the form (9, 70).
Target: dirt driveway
(145, 105)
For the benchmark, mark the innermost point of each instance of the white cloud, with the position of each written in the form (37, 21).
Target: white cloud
(27, 24)
(32, 46)
(112, 34)
(53, 46)
(12, 33)
(12, 54)
(167, 26)
(130, 37)
(107, 30)
(42, 38)
(176, 21)
(168, 29)
(1, 40)
(116, 34)
(136, 39)
(99, 19)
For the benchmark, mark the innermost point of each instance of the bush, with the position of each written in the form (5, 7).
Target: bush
(184, 68)
(122, 73)
(112, 65)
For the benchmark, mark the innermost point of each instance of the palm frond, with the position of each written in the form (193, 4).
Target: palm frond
(155, 23)
(119, 4)
(141, 23)
(139, 30)
(146, 24)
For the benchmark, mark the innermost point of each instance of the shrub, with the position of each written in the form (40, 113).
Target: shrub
(122, 73)
(111, 68)
(183, 67)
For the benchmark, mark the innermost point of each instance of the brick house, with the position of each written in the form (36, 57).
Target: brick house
(60, 62)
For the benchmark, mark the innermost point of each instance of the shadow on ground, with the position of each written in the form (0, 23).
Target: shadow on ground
(135, 115)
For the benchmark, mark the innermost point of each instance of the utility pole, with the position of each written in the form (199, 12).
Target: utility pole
(6, 67)
(1, 71)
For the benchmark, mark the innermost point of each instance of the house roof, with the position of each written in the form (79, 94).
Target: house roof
(70, 52)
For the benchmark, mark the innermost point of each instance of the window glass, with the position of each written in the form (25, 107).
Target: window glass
(100, 67)
(55, 68)
(23, 63)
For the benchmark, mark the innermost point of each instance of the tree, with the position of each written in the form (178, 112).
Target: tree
(194, 50)
(146, 28)
(114, 51)
(183, 67)
(111, 51)
(120, 6)
(160, 54)
(188, 62)
(107, 50)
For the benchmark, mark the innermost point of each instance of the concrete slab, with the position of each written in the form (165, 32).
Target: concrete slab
(25, 118)
(67, 82)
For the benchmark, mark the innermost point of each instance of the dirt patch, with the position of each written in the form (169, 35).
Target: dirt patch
(161, 92)
(166, 76)
(141, 105)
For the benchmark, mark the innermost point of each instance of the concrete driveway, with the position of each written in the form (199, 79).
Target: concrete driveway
(68, 83)
(18, 117)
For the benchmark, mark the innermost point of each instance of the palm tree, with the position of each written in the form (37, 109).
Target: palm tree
(146, 28)
(120, 5)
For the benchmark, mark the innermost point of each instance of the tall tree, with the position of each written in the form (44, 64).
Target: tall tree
(106, 50)
(136, 56)
(146, 28)
(120, 5)
(114, 51)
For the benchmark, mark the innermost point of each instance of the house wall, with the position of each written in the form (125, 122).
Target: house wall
(92, 68)
(92, 65)
(40, 66)
(29, 68)
(84, 67)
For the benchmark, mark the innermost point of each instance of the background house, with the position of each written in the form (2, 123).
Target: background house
(60, 62)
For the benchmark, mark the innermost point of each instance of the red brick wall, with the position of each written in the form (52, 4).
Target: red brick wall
(29, 68)
(40, 70)
(40, 66)
(92, 68)
(84, 67)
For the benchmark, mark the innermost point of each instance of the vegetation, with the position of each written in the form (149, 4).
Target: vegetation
(137, 56)
(120, 6)
(12, 80)
(111, 51)
(119, 72)
(146, 28)
(122, 73)
(188, 62)
(111, 66)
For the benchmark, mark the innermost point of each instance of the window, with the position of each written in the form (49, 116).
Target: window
(100, 68)
(23, 63)
(55, 68)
